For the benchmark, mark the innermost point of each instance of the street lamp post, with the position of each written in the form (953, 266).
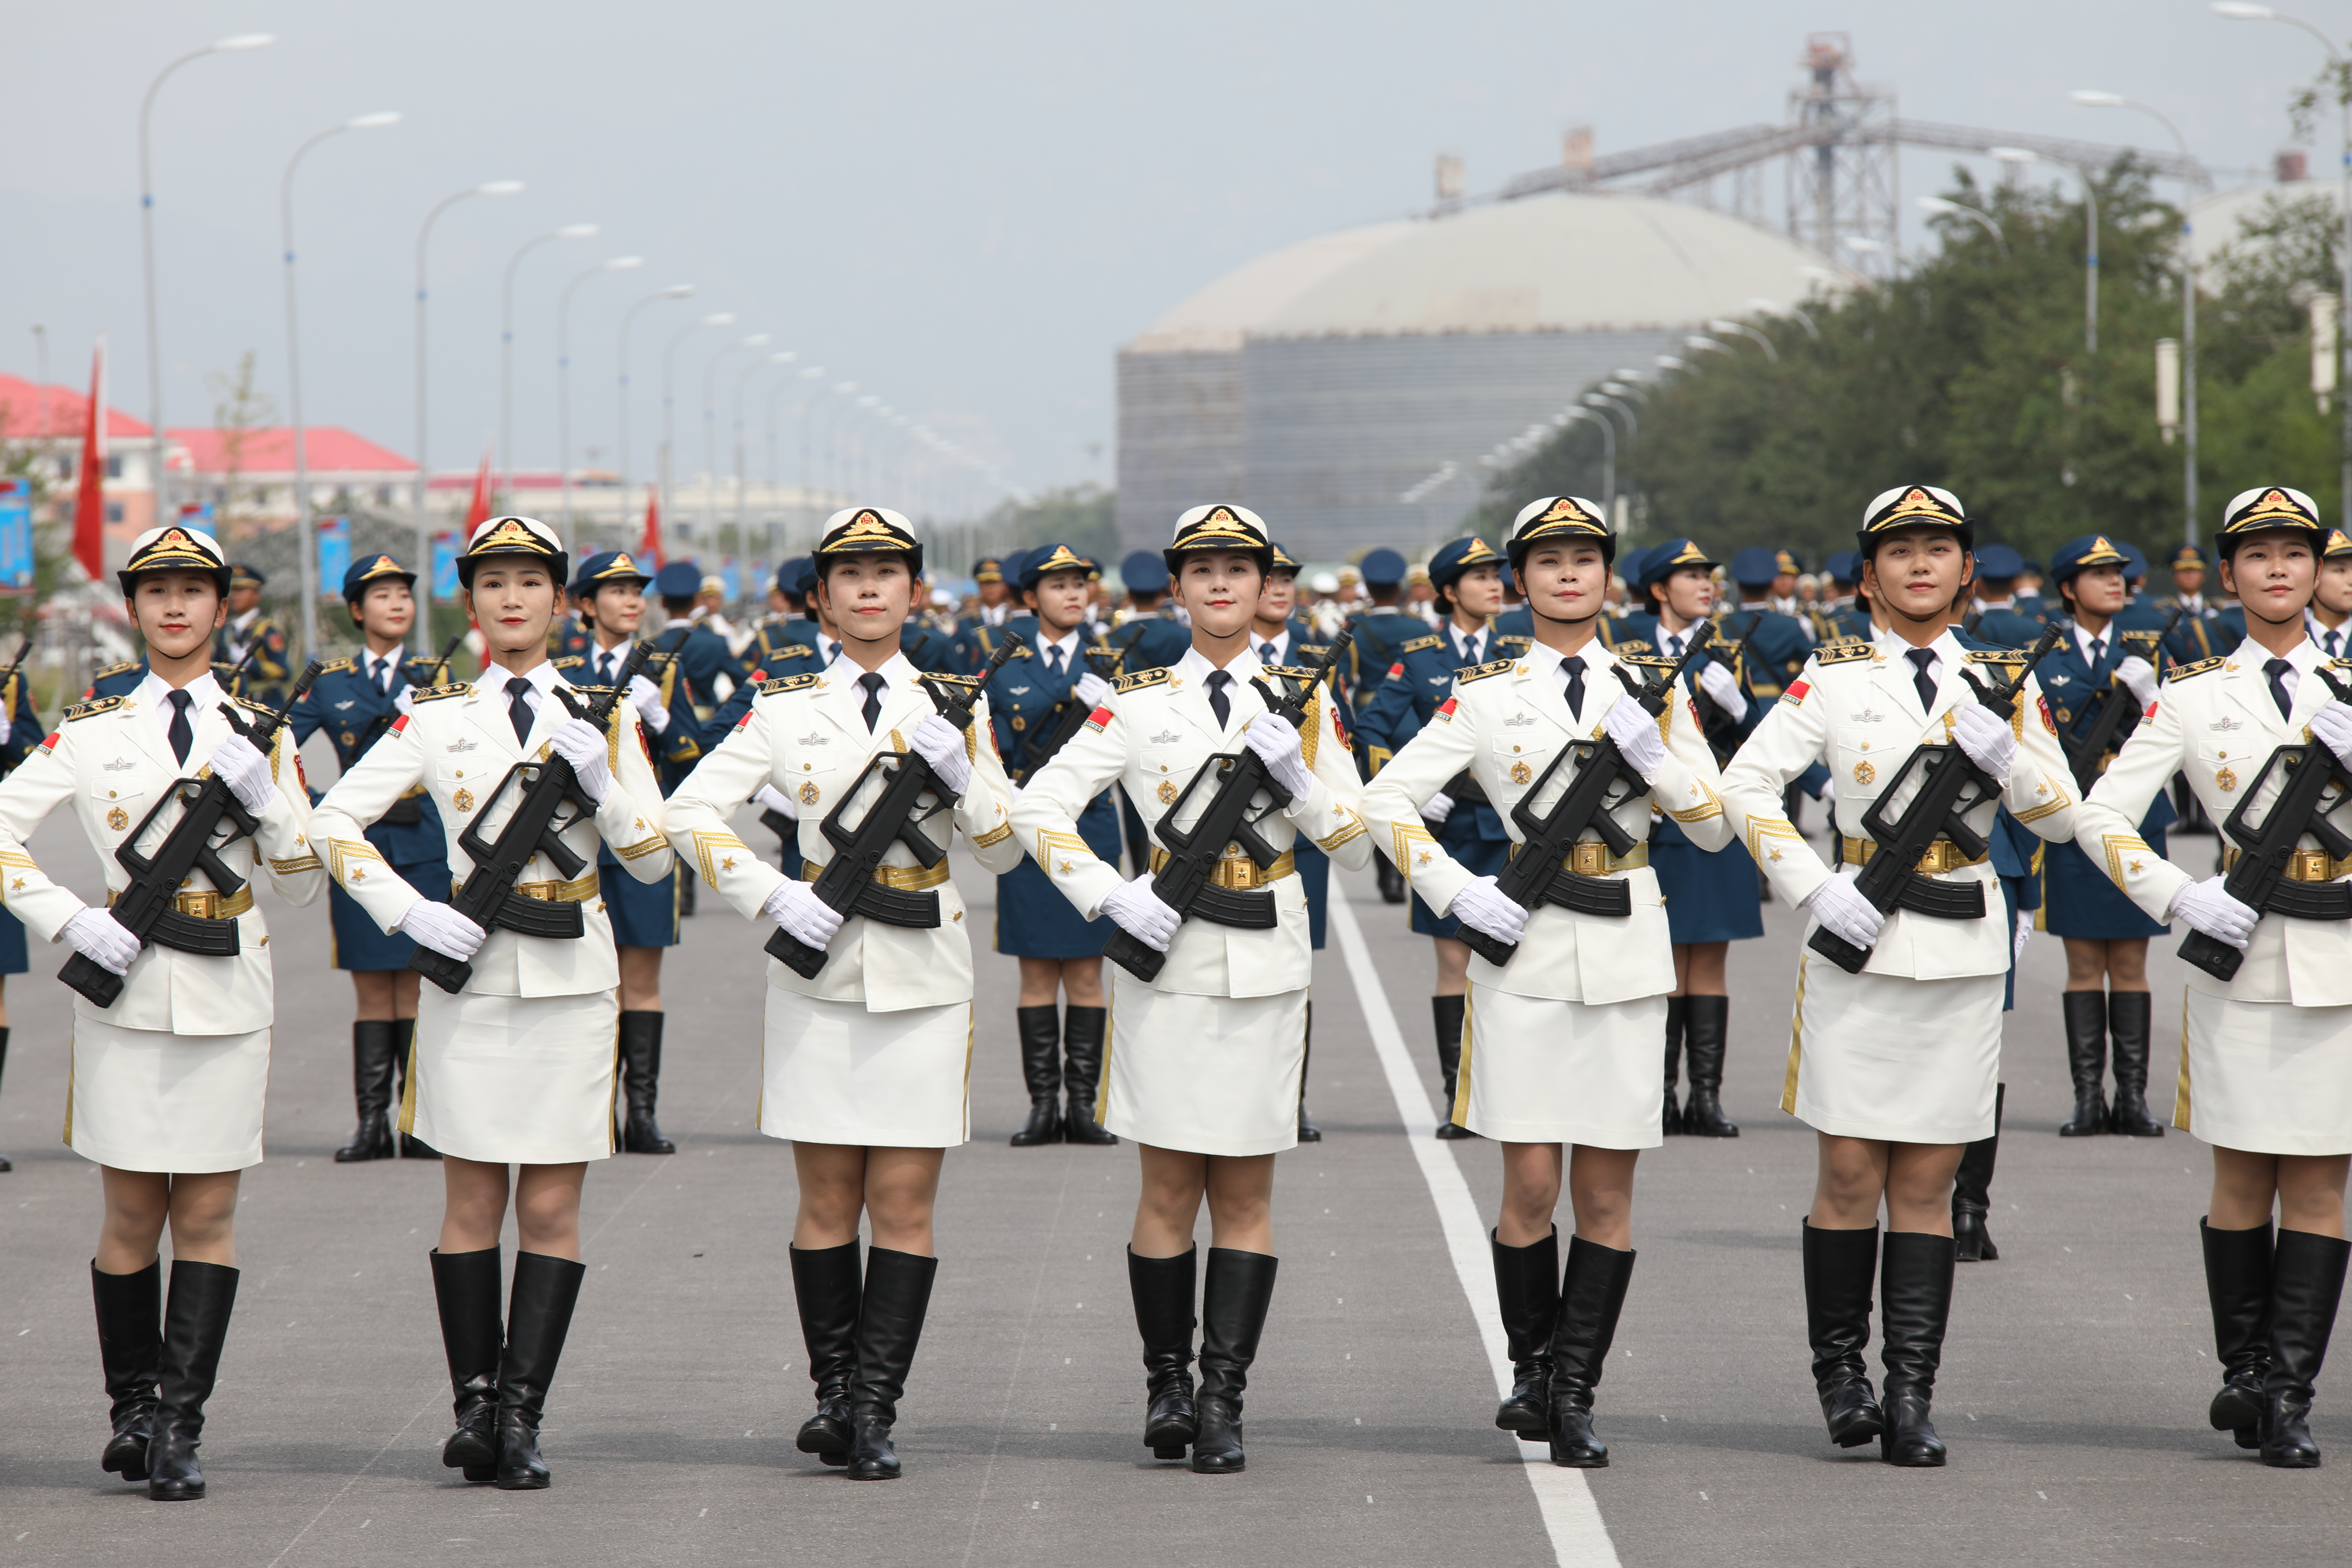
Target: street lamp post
(742, 516)
(621, 461)
(710, 428)
(242, 42)
(1740, 330)
(563, 375)
(423, 625)
(308, 563)
(1940, 207)
(2090, 238)
(669, 403)
(2238, 13)
(1608, 454)
(2094, 99)
(506, 342)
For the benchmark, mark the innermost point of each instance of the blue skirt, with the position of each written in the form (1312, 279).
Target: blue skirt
(1480, 858)
(1710, 896)
(644, 914)
(362, 945)
(1034, 919)
(2078, 900)
(13, 958)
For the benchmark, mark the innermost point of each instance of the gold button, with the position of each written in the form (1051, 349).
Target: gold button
(110, 795)
(1514, 748)
(461, 773)
(1865, 745)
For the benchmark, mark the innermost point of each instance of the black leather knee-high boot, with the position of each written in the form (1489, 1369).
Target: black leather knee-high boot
(371, 1046)
(2128, 1015)
(466, 1288)
(1447, 1011)
(1233, 1302)
(1041, 1065)
(641, 1054)
(1162, 1289)
(403, 1052)
(2086, 1059)
(1591, 1297)
(889, 1326)
(1707, 1029)
(131, 1348)
(825, 1285)
(1840, 1266)
(5, 1164)
(1083, 1029)
(1527, 1281)
(2238, 1288)
(1388, 880)
(2306, 1286)
(539, 1316)
(1915, 1306)
(1675, 1007)
(1973, 1191)
(195, 1326)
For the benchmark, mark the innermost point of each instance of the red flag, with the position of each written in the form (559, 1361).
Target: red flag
(477, 511)
(89, 496)
(649, 548)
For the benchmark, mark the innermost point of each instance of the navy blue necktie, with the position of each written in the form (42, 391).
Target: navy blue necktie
(2277, 669)
(1921, 681)
(519, 707)
(1219, 703)
(874, 683)
(180, 736)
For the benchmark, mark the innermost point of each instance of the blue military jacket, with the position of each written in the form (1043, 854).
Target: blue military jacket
(773, 638)
(25, 730)
(2005, 626)
(2078, 692)
(267, 675)
(1422, 678)
(1153, 640)
(355, 714)
(1773, 646)
(679, 746)
(975, 640)
(1023, 697)
(1381, 636)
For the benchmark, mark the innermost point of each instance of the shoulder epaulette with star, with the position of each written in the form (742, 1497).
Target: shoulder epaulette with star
(1289, 671)
(435, 693)
(2149, 638)
(953, 679)
(794, 650)
(2000, 655)
(1642, 660)
(250, 705)
(1313, 650)
(1480, 671)
(1855, 652)
(1135, 679)
(1513, 640)
(790, 683)
(1632, 646)
(1414, 644)
(569, 661)
(2339, 664)
(125, 668)
(340, 667)
(86, 709)
(2198, 667)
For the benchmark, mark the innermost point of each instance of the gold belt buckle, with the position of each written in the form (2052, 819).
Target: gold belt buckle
(203, 905)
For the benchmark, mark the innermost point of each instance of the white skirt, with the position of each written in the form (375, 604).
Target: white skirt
(1535, 1070)
(147, 1100)
(831, 1072)
(2265, 1077)
(1882, 1057)
(513, 1080)
(1208, 1075)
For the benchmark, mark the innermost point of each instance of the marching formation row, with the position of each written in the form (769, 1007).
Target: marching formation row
(1579, 808)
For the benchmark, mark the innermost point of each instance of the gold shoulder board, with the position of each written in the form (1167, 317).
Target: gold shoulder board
(1513, 640)
(796, 650)
(790, 683)
(1480, 671)
(1854, 652)
(435, 693)
(569, 661)
(1135, 679)
(2183, 671)
(125, 668)
(340, 667)
(1995, 656)
(1642, 660)
(1631, 645)
(85, 709)
(1414, 644)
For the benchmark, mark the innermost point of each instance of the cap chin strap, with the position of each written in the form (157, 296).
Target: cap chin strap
(1565, 621)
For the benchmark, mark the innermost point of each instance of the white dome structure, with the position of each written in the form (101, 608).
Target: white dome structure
(1320, 383)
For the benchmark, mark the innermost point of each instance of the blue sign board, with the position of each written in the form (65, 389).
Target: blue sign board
(334, 553)
(16, 534)
(444, 567)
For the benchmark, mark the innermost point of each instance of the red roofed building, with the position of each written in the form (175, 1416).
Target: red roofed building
(50, 418)
(344, 468)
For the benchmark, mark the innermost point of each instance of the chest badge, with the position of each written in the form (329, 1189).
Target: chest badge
(463, 800)
(2226, 722)
(1868, 716)
(118, 819)
(1166, 738)
(809, 794)
(119, 766)
(1167, 791)
(816, 740)
(461, 744)
(1020, 691)
(1864, 775)
(350, 740)
(2225, 781)
(1519, 720)
(1521, 772)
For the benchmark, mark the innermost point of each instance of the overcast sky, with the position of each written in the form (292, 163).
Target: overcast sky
(964, 208)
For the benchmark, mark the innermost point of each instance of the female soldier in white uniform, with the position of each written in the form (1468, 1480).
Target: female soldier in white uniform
(168, 1081)
(517, 1067)
(1895, 1067)
(867, 1066)
(2265, 1077)
(1559, 1045)
(1204, 1063)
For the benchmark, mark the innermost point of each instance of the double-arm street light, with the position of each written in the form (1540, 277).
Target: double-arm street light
(710, 426)
(242, 42)
(669, 401)
(2024, 155)
(1608, 454)
(2336, 61)
(621, 461)
(309, 572)
(563, 373)
(506, 342)
(742, 515)
(1939, 206)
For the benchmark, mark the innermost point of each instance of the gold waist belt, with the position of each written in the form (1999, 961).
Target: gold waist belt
(2302, 865)
(207, 905)
(1590, 857)
(578, 892)
(906, 879)
(1239, 872)
(1942, 855)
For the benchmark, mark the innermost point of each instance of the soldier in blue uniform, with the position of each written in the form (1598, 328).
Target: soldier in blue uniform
(355, 701)
(2328, 617)
(790, 626)
(1997, 619)
(247, 624)
(1060, 952)
(1151, 637)
(1467, 575)
(2031, 600)
(704, 655)
(2197, 636)
(2107, 936)
(1848, 614)
(1381, 631)
(976, 633)
(25, 733)
(1772, 649)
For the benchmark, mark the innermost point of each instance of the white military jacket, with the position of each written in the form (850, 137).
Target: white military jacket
(2215, 722)
(1856, 709)
(459, 742)
(1150, 735)
(111, 759)
(1504, 723)
(806, 735)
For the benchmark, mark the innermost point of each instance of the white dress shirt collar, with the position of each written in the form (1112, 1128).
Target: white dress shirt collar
(1067, 642)
(542, 678)
(153, 697)
(1195, 669)
(898, 671)
(1281, 641)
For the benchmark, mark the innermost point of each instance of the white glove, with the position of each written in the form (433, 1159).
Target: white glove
(1276, 745)
(1988, 740)
(795, 907)
(1091, 689)
(2211, 909)
(1843, 912)
(402, 702)
(583, 745)
(1482, 907)
(1635, 731)
(433, 925)
(2024, 930)
(1437, 808)
(769, 797)
(1722, 688)
(240, 762)
(2333, 725)
(98, 936)
(941, 743)
(1141, 913)
(645, 697)
(2138, 677)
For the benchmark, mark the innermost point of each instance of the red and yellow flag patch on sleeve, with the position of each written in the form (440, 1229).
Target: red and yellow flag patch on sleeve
(1795, 694)
(50, 743)
(1445, 710)
(1099, 719)
(400, 725)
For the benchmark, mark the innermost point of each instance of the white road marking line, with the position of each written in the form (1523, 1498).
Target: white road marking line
(1570, 1515)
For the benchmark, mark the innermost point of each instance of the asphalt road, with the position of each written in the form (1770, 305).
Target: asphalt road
(2072, 1396)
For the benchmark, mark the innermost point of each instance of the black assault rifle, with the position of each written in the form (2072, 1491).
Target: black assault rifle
(148, 905)
(846, 884)
(1064, 721)
(8, 708)
(2259, 879)
(487, 897)
(1949, 786)
(1535, 874)
(1183, 883)
(2084, 757)
(382, 721)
